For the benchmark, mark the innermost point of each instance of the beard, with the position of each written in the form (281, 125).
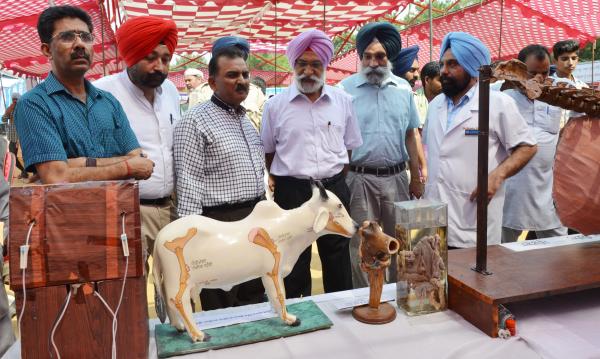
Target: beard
(452, 86)
(376, 75)
(306, 87)
(146, 79)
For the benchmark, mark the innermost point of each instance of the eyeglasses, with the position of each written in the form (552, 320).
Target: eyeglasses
(379, 57)
(71, 35)
(317, 65)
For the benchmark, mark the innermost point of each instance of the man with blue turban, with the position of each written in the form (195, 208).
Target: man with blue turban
(388, 119)
(451, 132)
(406, 65)
(309, 131)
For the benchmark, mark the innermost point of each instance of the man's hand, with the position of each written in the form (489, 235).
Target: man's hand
(494, 182)
(271, 182)
(424, 174)
(416, 186)
(139, 167)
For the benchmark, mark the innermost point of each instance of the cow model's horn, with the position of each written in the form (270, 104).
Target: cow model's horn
(322, 190)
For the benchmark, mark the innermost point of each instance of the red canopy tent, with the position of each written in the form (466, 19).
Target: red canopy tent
(20, 44)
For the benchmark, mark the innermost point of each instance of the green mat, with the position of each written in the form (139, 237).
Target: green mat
(170, 342)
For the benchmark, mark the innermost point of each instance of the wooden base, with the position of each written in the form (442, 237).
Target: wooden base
(517, 276)
(86, 328)
(385, 313)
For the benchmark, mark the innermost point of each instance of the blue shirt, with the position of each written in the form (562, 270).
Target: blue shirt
(453, 109)
(53, 125)
(384, 115)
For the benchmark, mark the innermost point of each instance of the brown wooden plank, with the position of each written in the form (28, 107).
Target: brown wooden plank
(85, 331)
(530, 274)
(470, 306)
(75, 241)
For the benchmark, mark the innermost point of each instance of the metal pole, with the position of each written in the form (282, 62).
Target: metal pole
(430, 31)
(501, 23)
(485, 72)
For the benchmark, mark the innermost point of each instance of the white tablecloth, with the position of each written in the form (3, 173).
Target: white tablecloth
(439, 335)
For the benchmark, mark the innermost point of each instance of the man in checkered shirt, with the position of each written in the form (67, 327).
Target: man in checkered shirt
(219, 158)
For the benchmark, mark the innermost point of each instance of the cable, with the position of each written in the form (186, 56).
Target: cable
(57, 322)
(24, 252)
(116, 312)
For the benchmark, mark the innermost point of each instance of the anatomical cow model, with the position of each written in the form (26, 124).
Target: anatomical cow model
(196, 251)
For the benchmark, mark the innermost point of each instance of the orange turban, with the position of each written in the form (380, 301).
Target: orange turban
(137, 37)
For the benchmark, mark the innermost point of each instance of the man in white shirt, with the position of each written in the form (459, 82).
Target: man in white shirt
(309, 131)
(193, 81)
(151, 103)
(451, 137)
(529, 204)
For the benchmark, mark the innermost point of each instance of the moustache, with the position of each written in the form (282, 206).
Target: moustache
(80, 54)
(240, 88)
(379, 70)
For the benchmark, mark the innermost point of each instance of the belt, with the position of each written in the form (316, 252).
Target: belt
(380, 171)
(231, 206)
(155, 201)
(324, 181)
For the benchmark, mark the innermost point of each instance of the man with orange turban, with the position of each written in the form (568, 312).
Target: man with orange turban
(151, 103)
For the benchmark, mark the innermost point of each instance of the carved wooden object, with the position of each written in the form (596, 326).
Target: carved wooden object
(376, 249)
(560, 95)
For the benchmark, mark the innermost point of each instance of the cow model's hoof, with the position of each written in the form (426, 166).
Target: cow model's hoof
(296, 323)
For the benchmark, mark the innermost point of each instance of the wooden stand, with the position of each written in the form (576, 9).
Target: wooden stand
(517, 276)
(375, 312)
(75, 242)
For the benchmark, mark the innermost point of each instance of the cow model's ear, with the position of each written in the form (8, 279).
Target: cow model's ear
(321, 220)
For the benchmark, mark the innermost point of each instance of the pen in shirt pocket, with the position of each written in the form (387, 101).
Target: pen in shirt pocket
(171, 118)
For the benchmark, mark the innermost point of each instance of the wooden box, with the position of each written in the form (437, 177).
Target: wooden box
(76, 239)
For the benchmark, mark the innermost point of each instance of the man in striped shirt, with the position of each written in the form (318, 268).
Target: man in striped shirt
(70, 131)
(219, 158)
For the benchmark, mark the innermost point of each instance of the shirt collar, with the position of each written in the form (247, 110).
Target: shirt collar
(294, 92)
(217, 101)
(463, 100)
(53, 85)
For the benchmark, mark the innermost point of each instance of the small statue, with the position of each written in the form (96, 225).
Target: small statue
(375, 250)
(422, 268)
(196, 252)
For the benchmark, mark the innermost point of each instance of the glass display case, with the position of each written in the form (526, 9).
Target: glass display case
(421, 229)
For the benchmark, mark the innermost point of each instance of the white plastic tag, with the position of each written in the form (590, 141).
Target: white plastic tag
(24, 254)
(125, 245)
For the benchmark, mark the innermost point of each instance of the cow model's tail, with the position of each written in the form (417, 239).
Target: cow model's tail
(159, 303)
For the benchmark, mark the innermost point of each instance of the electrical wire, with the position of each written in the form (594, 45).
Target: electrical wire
(58, 320)
(116, 312)
(23, 279)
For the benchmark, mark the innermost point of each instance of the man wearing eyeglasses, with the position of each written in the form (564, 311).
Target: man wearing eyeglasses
(309, 131)
(388, 119)
(71, 131)
(151, 103)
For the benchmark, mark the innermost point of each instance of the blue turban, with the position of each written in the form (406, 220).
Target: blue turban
(468, 50)
(385, 33)
(405, 59)
(229, 41)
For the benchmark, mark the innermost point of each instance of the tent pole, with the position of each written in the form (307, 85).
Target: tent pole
(593, 63)
(276, 34)
(101, 7)
(501, 20)
(2, 90)
(430, 31)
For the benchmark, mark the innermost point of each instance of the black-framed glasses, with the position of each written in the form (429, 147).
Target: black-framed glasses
(71, 35)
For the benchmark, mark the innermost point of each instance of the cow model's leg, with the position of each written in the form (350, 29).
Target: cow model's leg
(182, 298)
(272, 281)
